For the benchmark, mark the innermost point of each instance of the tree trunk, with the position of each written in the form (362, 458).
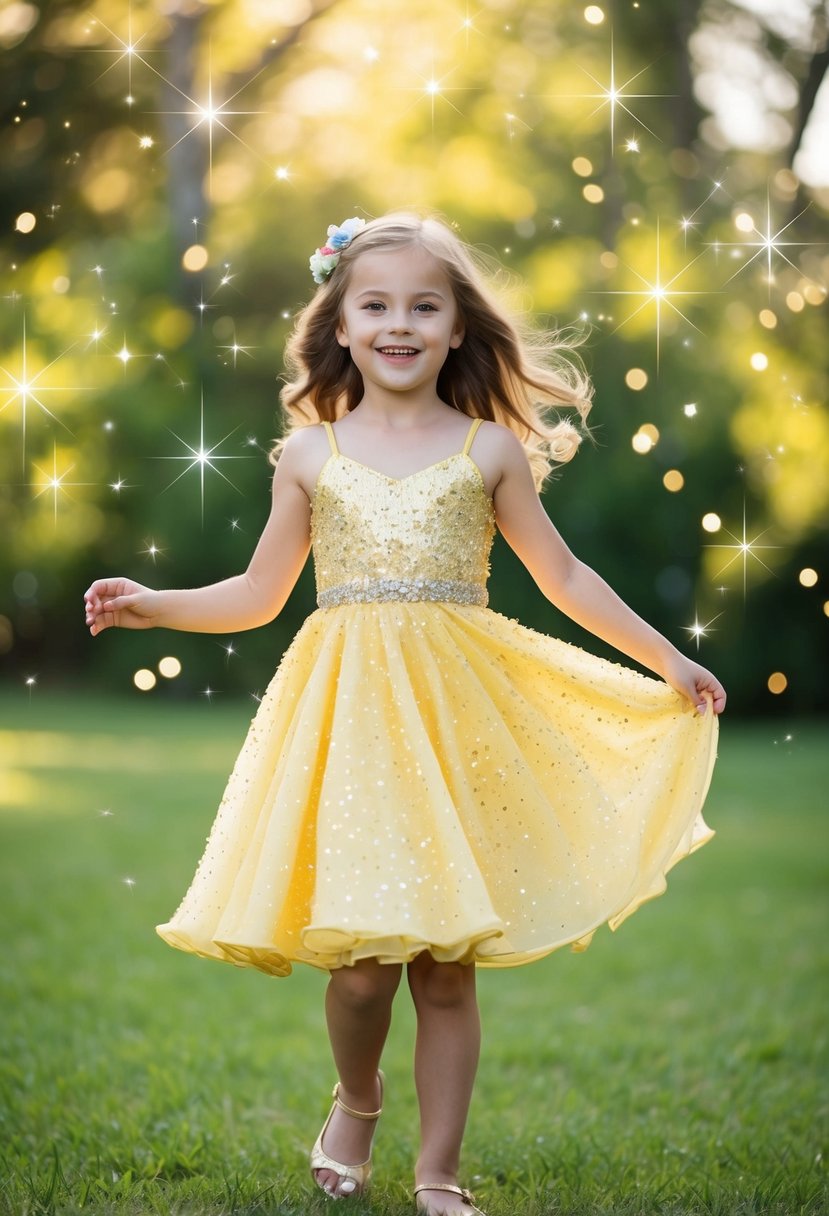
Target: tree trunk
(188, 148)
(686, 112)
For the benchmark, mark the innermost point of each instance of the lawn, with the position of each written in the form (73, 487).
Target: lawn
(678, 1066)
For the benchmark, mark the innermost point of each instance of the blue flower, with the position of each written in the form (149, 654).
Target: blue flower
(339, 237)
(323, 261)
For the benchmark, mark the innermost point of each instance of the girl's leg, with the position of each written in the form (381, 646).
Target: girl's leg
(358, 1010)
(446, 1060)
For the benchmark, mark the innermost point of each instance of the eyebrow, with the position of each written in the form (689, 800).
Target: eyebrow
(378, 291)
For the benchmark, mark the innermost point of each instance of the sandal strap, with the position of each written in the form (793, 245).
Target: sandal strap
(355, 1114)
(465, 1195)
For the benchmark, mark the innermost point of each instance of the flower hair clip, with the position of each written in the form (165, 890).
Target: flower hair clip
(324, 260)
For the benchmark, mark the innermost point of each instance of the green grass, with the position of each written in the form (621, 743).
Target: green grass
(679, 1066)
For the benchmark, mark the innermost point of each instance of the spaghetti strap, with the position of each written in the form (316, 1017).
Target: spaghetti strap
(470, 435)
(329, 430)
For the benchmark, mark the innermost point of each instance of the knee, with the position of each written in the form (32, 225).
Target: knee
(442, 985)
(365, 989)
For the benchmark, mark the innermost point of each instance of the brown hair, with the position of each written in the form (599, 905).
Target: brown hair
(504, 370)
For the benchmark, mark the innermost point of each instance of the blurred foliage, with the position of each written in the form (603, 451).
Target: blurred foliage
(131, 131)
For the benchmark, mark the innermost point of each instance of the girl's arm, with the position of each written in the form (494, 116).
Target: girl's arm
(242, 602)
(578, 591)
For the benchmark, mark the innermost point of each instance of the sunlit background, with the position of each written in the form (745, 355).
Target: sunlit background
(656, 173)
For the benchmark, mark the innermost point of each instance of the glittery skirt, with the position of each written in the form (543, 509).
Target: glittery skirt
(436, 777)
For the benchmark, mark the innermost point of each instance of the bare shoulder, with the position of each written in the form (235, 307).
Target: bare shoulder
(498, 452)
(305, 452)
(306, 441)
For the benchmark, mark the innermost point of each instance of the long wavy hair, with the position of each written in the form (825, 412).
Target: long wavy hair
(505, 370)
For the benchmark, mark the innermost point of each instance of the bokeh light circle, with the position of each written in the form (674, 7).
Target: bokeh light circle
(194, 258)
(169, 667)
(777, 683)
(673, 480)
(144, 679)
(807, 577)
(711, 522)
(636, 378)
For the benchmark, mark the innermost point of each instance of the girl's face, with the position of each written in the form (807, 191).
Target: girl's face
(399, 319)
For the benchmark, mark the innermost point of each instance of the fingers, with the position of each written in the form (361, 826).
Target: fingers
(702, 689)
(710, 692)
(101, 603)
(101, 589)
(117, 602)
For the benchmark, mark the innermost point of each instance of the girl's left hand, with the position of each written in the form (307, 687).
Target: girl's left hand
(694, 681)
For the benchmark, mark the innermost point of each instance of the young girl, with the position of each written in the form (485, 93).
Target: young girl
(427, 784)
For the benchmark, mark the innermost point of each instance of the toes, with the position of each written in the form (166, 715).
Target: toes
(327, 1180)
(334, 1185)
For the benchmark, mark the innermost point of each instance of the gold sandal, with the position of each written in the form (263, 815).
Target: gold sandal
(359, 1174)
(465, 1195)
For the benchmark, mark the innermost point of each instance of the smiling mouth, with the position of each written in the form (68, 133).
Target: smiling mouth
(398, 352)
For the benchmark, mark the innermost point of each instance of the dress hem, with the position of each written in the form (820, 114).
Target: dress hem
(266, 958)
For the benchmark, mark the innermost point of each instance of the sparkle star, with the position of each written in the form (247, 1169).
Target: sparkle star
(698, 630)
(55, 482)
(433, 87)
(153, 550)
(229, 649)
(743, 549)
(236, 349)
(769, 245)
(467, 25)
(615, 97)
(689, 221)
(659, 294)
(129, 50)
(211, 114)
(202, 458)
(26, 387)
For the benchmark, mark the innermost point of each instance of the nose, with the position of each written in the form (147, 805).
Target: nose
(400, 324)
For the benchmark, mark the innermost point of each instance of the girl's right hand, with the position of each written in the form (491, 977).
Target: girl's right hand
(120, 602)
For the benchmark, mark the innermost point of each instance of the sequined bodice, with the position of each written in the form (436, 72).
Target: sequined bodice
(426, 536)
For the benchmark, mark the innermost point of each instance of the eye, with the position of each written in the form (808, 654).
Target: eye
(374, 305)
(426, 306)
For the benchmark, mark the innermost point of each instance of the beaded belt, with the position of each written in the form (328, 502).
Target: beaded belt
(389, 590)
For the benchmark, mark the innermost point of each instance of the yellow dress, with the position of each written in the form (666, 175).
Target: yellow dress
(423, 773)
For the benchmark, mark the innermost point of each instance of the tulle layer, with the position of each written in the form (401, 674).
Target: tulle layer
(435, 777)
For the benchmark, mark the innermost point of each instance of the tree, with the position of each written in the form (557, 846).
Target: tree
(584, 158)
